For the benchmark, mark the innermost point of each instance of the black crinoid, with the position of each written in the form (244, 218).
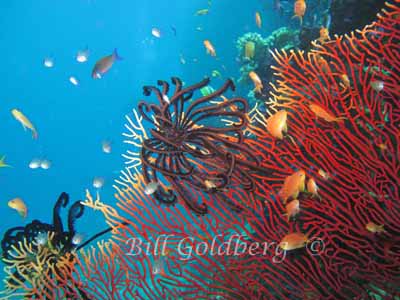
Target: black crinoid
(62, 238)
(196, 144)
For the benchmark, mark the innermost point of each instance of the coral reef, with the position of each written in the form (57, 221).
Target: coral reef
(282, 38)
(340, 132)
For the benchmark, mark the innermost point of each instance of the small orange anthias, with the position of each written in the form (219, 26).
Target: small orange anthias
(300, 9)
(277, 124)
(322, 63)
(323, 114)
(374, 228)
(345, 80)
(312, 187)
(293, 185)
(323, 35)
(292, 208)
(258, 20)
(258, 86)
(210, 48)
(293, 241)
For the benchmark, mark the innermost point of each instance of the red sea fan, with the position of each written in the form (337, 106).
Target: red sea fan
(343, 110)
(343, 106)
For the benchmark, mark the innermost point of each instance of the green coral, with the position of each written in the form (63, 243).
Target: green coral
(282, 38)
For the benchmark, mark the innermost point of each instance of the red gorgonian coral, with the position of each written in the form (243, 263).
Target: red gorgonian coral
(342, 101)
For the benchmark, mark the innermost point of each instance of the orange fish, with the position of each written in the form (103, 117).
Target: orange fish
(292, 208)
(382, 146)
(323, 64)
(312, 187)
(293, 185)
(277, 124)
(210, 48)
(257, 81)
(258, 19)
(293, 241)
(103, 65)
(19, 205)
(345, 80)
(324, 35)
(323, 114)
(299, 9)
(324, 174)
(374, 228)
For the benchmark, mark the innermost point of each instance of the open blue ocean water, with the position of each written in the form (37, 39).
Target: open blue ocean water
(72, 121)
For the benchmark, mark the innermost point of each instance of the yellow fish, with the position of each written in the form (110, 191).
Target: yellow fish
(19, 205)
(19, 116)
(2, 162)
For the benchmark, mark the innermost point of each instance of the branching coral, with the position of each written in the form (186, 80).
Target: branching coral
(28, 252)
(359, 151)
(40, 258)
(343, 119)
(135, 136)
(103, 273)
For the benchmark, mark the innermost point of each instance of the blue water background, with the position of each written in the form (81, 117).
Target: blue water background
(72, 120)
